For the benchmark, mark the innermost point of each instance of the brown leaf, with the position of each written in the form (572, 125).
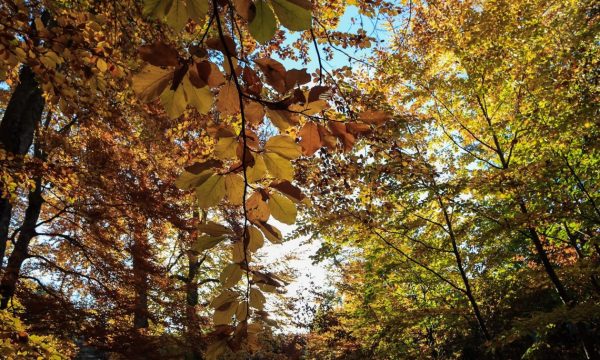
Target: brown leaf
(254, 112)
(217, 44)
(159, 54)
(199, 167)
(228, 101)
(310, 139)
(296, 77)
(327, 139)
(258, 209)
(291, 191)
(252, 81)
(376, 117)
(274, 73)
(178, 76)
(338, 129)
(243, 8)
(356, 128)
(317, 93)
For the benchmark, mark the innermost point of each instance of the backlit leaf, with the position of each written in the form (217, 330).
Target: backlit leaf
(151, 82)
(234, 184)
(293, 14)
(211, 191)
(279, 167)
(283, 145)
(263, 25)
(231, 275)
(257, 299)
(282, 208)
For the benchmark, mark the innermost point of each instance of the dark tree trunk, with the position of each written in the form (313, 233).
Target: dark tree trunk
(193, 324)
(140, 273)
(20, 252)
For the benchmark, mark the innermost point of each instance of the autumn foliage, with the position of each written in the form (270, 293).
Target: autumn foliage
(442, 154)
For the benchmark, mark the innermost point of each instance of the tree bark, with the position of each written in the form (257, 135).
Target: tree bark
(20, 252)
(17, 129)
(140, 273)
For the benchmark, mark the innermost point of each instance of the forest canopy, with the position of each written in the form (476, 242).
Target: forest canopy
(161, 159)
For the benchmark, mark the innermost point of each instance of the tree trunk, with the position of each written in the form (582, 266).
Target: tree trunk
(463, 274)
(17, 129)
(20, 252)
(193, 325)
(140, 273)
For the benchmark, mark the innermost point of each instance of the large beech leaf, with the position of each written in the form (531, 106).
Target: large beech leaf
(263, 25)
(283, 145)
(226, 148)
(211, 191)
(279, 167)
(310, 139)
(206, 242)
(256, 239)
(234, 184)
(197, 10)
(231, 275)
(174, 102)
(270, 232)
(214, 229)
(293, 14)
(222, 316)
(152, 81)
(258, 170)
(257, 299)
(282, 208)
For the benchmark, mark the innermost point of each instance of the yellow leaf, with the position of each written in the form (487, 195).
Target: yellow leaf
(256, 239)
(223, 298)
(226, 148)
(189, 181)
(257, 299)
(234, 184)
(206, 242)
(101, 65)
(174, 102)
(241, 313)
(231, 275)
(237, 253)
(282, 208)
(151, 82)
(258, 171)
(270, 231)
(177, 16)
(223, 316)
(197, 10)
(211, 191)
(200, 98)
(283, 145)
(279, 167)
(214, 229)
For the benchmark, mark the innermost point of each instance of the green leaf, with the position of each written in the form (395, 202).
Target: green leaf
(231, 275)
(263, 26)
(257, 299)
(282, 208)
(211, 191)
(293, 14)
(206, 242)
(256, 239)
(279, 167)
(283, 145)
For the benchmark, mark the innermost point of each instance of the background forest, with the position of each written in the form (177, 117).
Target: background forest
(160, 159)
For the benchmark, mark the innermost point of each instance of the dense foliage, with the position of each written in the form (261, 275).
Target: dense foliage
(443, 154)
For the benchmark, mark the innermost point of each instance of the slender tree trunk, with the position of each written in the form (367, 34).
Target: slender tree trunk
(17, 129)
(140, 273)
(463, 274)
(20, 252)
(192, 322)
